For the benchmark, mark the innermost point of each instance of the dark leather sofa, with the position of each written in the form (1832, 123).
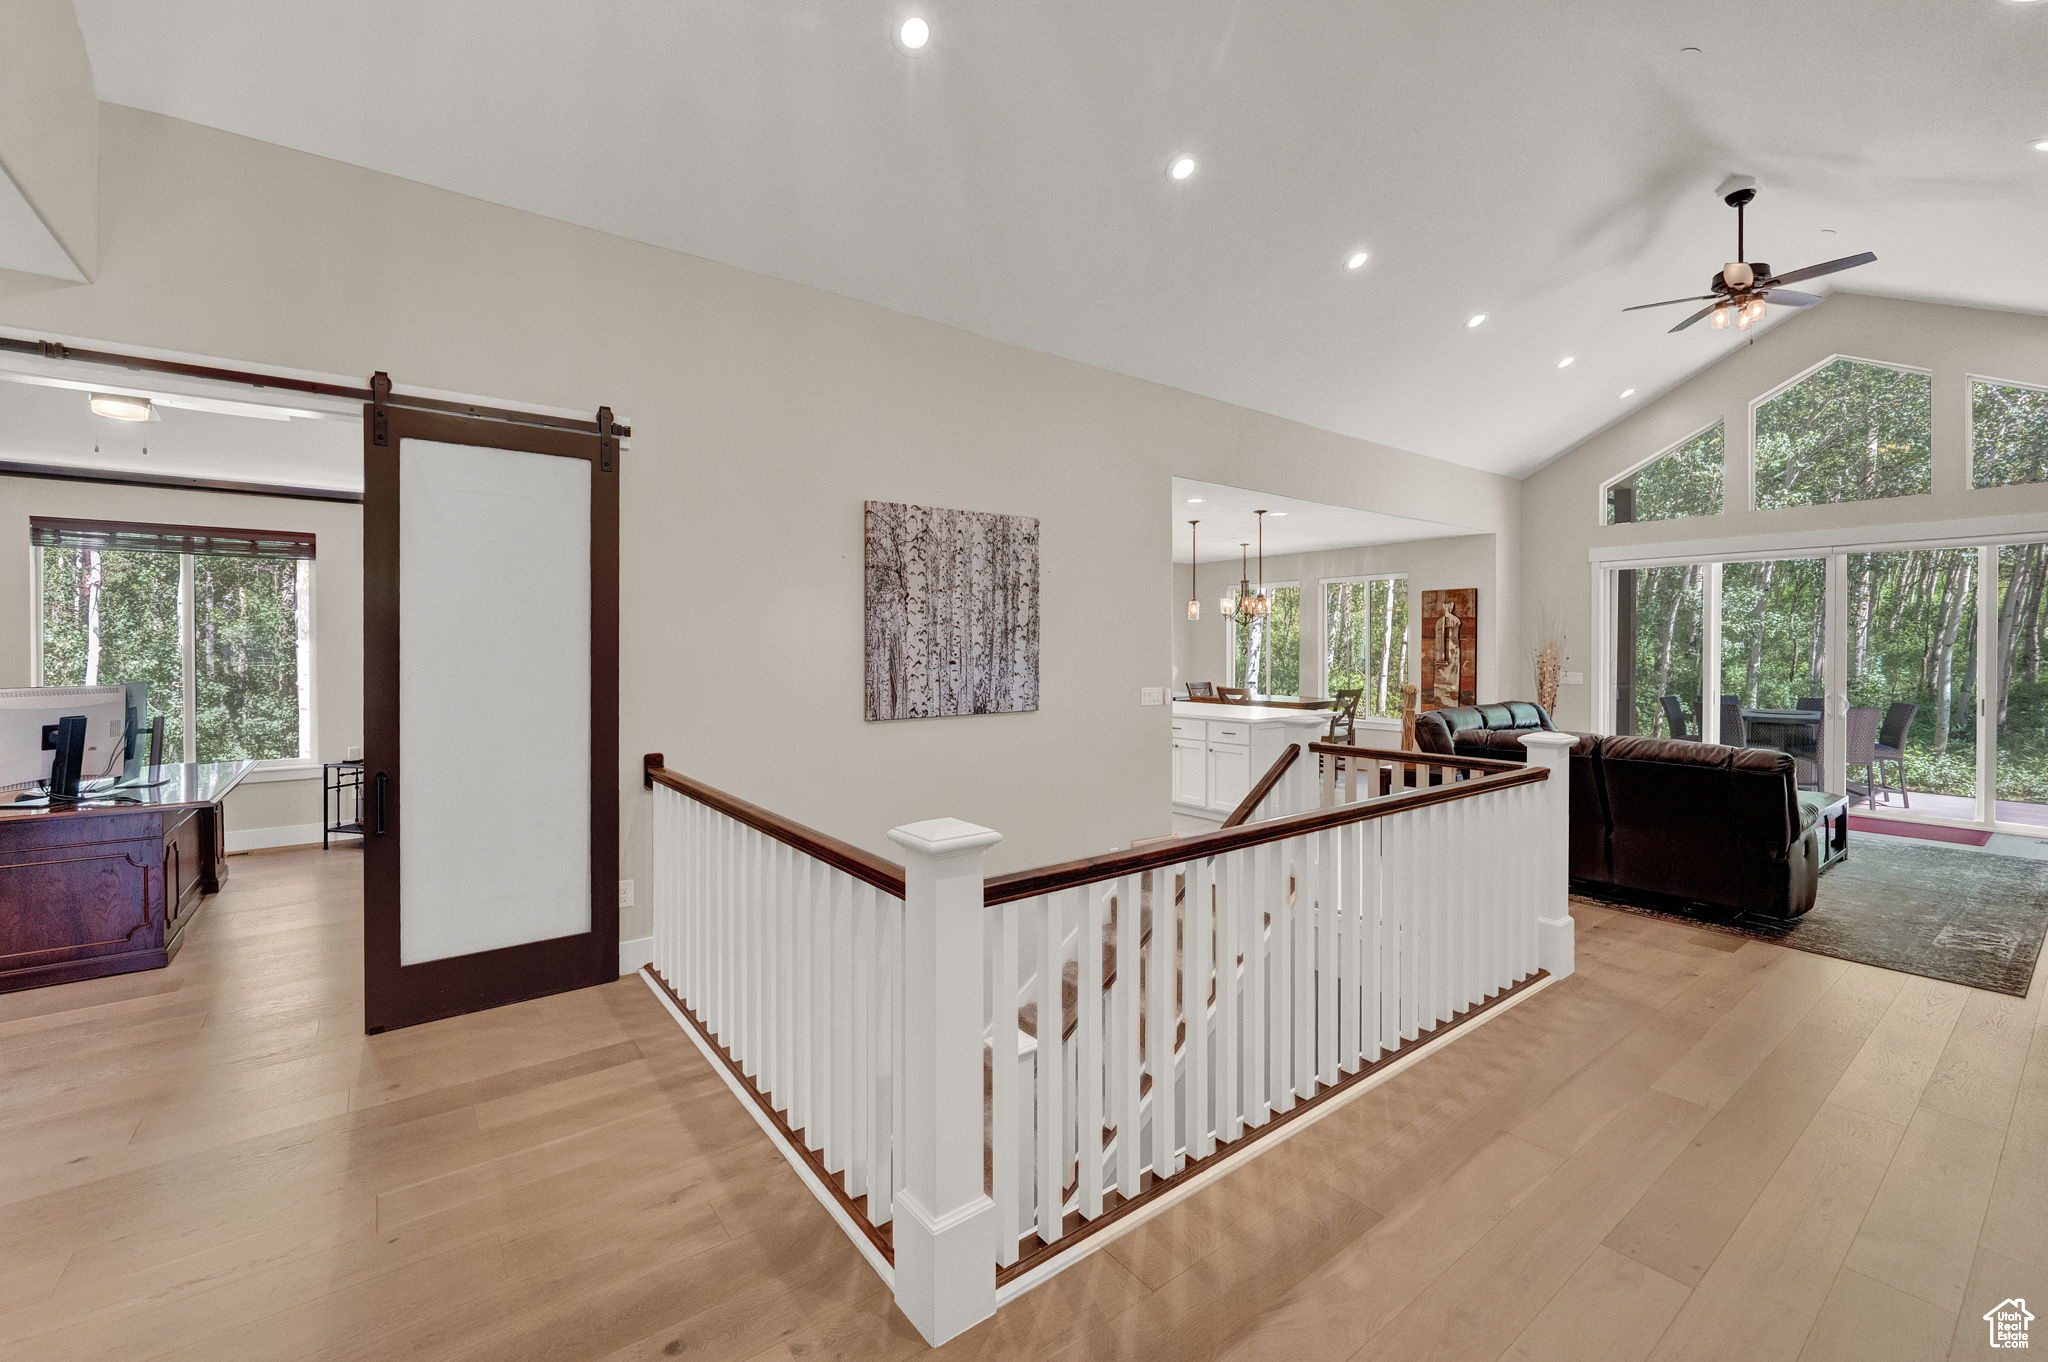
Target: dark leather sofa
(1667, 823)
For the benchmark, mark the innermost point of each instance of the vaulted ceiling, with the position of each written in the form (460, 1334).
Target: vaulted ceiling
(1542, 164)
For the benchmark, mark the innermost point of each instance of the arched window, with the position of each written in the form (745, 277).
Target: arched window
(1849, 430)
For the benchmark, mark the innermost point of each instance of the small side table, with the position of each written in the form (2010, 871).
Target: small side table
(341, 800)
(1835, 818)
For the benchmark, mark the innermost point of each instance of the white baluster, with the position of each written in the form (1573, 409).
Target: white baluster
(1129, 962)
(1052, 1065)
(1326, 885)
(1230, 902)
(1160, 1026)
(859, 964)
(1005, 1101)
(1257, 1097)
(1088, 1006)
(1198, 917)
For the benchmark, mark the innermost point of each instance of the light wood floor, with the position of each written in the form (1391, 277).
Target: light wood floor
(1697, 1147)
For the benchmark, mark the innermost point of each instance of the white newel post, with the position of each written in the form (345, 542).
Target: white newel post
(1301, 788)
(945, 1225)
(1553, 913)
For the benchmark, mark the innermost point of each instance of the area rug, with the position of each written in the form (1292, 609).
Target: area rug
(1969, 917)
(1928, 832)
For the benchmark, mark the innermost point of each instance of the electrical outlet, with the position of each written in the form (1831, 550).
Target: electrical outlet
(1152, 695)
(625, 893)
(1573, 679)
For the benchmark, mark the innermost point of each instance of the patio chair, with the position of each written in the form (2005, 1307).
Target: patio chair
(1813, 704)
(1891, 747)
(1860, 750)
(1733, 731)
(1674, 717)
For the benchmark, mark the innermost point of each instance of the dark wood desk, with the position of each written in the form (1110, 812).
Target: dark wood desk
(104, 887)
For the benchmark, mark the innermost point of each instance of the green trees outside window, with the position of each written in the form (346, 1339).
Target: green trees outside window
(1849, 431)
(1685, 482)
(112, 616)
(1365, 641)
(1660, 640)
(2008, 434)
(1269, 647)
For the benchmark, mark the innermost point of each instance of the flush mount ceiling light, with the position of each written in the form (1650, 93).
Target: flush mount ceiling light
(1476, 319)
(1357, 260)
(1567, 361)
(1181, 167)
(914, 34)
(118, 407)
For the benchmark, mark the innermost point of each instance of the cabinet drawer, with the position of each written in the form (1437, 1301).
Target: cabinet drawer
(1238, 735)
(1189, 728)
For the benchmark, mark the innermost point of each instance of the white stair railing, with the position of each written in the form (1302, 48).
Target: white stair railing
(972, 1072)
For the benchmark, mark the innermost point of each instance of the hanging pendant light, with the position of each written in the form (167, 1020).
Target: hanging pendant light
(1194, 600)
(1240, 601)
(1260, 604)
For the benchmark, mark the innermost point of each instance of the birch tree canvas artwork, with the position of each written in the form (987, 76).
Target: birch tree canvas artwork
(952, 612)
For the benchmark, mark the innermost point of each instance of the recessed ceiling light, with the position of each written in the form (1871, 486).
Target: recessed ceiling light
(1182, 167)
(1688, 51)
(1357, 260)
(1279, 513)
(1196, 501)
(1474, 320)
(2041, 145)
(1566, 362)
(914, 34)
(1627, 393)
(117, 407)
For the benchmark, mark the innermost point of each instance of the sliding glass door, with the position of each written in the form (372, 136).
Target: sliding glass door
(1660, 624)
(2020, 782)
(1909, 677)
(1912, 645)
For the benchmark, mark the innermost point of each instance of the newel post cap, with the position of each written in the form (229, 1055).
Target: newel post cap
(1545, 738)
(944, 838)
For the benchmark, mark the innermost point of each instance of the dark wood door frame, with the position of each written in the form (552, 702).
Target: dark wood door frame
(401, 995)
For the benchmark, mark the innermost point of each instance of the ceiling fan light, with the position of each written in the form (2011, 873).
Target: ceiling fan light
(1738, 274)
(120, 406)
(1719, 321)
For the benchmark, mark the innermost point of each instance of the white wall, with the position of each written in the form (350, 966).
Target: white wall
(1562, 503)
(764, 413)
(1201, 648)
(49, 123)
(276, 812)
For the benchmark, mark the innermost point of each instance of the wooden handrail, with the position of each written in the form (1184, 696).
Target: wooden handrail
(1024, 884)
(886, 876)
(1338, 749)
(1249, 805)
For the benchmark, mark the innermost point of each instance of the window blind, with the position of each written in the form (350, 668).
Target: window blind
(52, 532)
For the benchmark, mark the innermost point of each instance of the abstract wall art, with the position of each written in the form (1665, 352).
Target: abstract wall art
(952, 612)
(1450, 648)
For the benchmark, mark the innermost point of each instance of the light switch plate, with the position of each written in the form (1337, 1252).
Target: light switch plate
(1573, 678)
(1152, 695)
(625, 893)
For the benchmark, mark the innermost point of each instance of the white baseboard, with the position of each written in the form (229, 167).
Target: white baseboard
(635, 953)
(266, 839)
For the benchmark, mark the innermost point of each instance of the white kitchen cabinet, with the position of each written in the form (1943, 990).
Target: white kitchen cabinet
(1220, 751)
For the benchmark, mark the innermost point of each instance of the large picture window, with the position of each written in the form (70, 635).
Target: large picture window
(214, 621)
(1365, 640)
(1848, 431)
(1266, 650)
(1683, 481)
(2008, 434)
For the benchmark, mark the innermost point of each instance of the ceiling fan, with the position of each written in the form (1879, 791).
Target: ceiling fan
(1741, 290)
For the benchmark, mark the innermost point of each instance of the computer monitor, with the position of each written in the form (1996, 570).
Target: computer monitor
(27, 716)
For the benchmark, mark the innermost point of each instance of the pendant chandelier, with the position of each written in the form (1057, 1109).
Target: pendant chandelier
(1194, 602)
(1241, 599)
(1260, 604)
